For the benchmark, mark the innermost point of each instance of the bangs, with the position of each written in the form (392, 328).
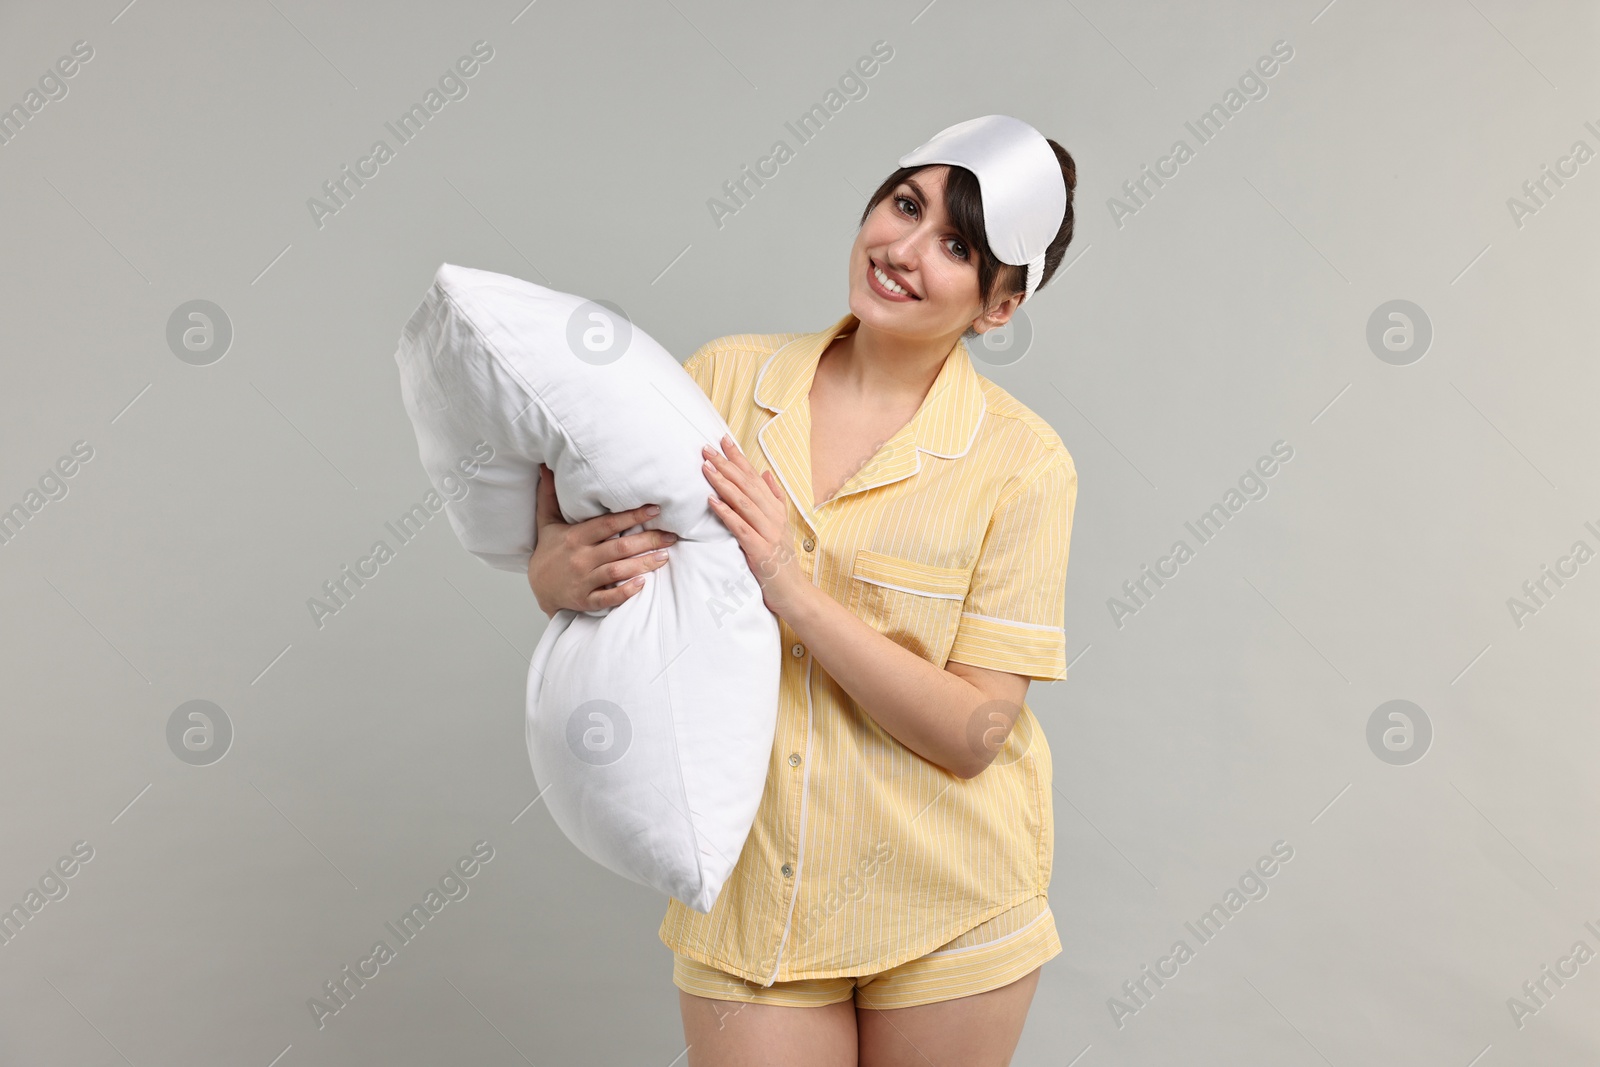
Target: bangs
(963, 205)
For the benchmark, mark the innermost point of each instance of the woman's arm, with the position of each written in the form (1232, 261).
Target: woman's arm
(957, 717)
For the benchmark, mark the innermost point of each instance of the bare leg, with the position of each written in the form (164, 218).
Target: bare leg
(730, 1033)
(977, 1031)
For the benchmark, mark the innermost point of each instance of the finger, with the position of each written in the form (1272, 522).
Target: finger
(741, 530)
(603, 527)
(778, 507)
(610, 598)
(546, 508)
(773, 505)
(737, 470)
(623, 570)
(729, 488)
(740, 467)
(634, 544)
(608, 577)
(730, 448)
(777, 490)
(762, 509)
(767, 507)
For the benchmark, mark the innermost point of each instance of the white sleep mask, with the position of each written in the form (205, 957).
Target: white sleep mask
(1024, 194)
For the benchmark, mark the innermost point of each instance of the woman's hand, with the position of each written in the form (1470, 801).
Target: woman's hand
(756, 512)
(572, 563)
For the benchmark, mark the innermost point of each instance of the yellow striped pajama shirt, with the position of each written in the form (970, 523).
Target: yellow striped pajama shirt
(952, 541)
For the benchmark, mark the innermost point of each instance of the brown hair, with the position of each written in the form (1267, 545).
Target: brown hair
(963, 203)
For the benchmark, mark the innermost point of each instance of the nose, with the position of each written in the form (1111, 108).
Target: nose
(903, 253)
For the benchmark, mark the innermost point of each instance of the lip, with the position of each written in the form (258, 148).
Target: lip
(872, 282)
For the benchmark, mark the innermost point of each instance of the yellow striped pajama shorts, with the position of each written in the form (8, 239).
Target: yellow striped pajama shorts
(990, 955)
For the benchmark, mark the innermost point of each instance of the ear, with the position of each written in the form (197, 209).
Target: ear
(998, 315)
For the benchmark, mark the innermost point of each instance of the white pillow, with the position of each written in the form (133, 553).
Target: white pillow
(649, 725)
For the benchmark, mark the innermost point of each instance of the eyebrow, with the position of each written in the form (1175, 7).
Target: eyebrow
(922, 198)
(922, 202)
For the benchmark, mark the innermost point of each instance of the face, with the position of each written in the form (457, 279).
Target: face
(909, 237)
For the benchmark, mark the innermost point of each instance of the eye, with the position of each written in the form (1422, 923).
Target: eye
(960, 251)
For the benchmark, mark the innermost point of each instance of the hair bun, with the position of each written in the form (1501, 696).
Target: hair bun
(1069, 169)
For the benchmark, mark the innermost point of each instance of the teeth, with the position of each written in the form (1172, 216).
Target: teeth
(888, 283)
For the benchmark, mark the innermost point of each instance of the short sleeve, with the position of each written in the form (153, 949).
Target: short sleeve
(699, 367)
(1013, 616)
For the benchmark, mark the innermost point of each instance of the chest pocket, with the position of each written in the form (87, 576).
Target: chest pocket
(915, 605)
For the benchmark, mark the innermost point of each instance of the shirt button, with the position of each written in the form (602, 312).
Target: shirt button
(797, 650)
(788, 871)
(794, 759)
(808, 544)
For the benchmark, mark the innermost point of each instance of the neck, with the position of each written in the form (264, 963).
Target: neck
(869, 362)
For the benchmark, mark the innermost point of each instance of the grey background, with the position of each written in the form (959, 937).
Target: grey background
(1230, 312)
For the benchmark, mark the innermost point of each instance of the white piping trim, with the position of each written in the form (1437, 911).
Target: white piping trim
(755, 390)
(805, 788)
(777, 472)
(908, 589)
(1013, 622)
(1024, 928)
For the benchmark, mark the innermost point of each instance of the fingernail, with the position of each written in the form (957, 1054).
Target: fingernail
(653, 509)
(671, 538)
(659, 553)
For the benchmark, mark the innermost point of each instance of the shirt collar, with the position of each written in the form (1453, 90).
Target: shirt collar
(945, 424)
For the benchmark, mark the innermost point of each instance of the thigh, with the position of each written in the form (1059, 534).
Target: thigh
(729, 1033)
(963, 1004)
(980, 1030)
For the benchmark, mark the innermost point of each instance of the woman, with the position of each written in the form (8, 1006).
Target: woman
(907, 522)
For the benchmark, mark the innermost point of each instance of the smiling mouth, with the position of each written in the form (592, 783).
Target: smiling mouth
(888, 283)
